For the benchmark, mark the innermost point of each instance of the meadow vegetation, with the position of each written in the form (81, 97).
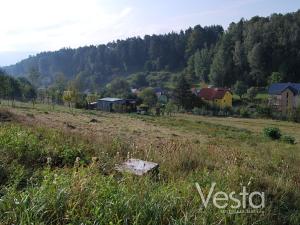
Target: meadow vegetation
(49, 173)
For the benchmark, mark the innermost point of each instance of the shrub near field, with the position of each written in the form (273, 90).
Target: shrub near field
(33, 191)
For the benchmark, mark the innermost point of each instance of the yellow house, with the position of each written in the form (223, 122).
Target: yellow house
(219, 97)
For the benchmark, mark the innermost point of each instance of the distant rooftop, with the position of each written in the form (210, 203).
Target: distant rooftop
(111, 99)
(277, 88)
(212, 93)
(158, 89)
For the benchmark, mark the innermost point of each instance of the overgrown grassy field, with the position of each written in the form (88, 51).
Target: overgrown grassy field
(41, 182)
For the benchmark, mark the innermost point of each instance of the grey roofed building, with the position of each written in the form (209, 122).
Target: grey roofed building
(111, 99)
(116, 105)
(278, 88)
(284, 97)
(109, 104)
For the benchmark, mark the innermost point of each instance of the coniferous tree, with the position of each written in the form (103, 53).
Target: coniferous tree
(148, 97)
(218, 69)
(182, 93)
(119, 87)
(240, 88)
(202, 61)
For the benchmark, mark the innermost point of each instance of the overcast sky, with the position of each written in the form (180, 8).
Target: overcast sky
(31, 26)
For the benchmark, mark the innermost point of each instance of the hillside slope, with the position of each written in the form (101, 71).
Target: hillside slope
(258, 51)
(63, 189)
(100, 63)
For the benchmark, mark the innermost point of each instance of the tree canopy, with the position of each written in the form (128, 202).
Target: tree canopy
(249, 51)
(16, 89)
(99, 65)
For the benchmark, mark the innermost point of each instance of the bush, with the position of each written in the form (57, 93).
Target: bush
(288, 139)
(294, 115)
(198, 111)
(264, 110)
(20, 145)
(252, 92)
(244, 113)
(170, 108)
(212, 111)
(272, 132)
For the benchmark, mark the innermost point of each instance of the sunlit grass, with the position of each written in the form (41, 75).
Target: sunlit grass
(231, 152)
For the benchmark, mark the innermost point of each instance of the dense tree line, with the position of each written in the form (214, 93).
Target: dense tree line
(92, 66)
(256, 51)
(16, 88)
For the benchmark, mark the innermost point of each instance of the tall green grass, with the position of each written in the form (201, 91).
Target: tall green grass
(33, 191)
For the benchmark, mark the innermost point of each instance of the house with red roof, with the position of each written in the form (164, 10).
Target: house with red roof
(220, 97)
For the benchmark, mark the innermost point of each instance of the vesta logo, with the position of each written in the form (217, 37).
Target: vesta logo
(242, 200)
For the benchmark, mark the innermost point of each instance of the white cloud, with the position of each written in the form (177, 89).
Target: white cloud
(38, 25)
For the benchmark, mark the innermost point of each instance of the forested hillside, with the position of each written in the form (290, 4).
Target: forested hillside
(15, 89)
(98, 64)
(250, 51)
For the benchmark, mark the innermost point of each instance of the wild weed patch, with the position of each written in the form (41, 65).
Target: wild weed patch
(60, 191)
